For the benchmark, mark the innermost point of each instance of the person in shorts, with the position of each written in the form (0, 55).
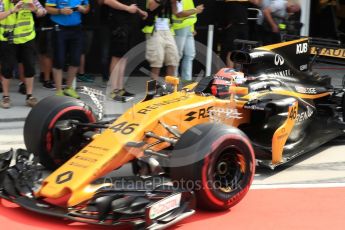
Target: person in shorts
(123, 22)
(66, 14)
(17, 43)
(44, 46)
(161, 47)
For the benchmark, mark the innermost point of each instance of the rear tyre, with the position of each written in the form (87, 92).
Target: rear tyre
(217, 162)
(39, 129)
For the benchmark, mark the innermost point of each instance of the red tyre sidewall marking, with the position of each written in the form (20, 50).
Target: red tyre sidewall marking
(204, 177)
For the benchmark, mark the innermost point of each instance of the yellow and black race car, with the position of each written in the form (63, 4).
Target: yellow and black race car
(197, 145)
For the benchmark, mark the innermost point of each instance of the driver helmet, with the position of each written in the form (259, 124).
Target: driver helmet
(225, 78)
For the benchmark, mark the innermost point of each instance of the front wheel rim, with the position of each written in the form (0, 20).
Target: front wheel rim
(228, 170)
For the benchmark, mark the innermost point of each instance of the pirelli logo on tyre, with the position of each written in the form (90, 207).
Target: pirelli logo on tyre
(64, 177)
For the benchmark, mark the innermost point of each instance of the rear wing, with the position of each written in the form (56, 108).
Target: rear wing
(324, 50)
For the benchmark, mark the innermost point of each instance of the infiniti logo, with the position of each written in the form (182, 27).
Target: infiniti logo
(278, 60)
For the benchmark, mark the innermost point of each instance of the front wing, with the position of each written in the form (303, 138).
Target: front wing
(155, 205)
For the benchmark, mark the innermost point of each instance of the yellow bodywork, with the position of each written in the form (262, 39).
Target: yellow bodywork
(182, 109)
(108, 150)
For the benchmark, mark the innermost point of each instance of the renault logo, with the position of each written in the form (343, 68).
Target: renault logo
(64, 177)
(278, 60)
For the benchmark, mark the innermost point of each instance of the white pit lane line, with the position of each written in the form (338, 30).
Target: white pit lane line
(292, 186)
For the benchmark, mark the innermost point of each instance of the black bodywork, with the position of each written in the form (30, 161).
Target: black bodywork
(281, 73)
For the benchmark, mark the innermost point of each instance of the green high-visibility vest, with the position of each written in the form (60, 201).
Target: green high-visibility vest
(179, 23)
(21, 24)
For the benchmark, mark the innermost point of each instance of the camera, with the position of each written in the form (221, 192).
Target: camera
(10, 36)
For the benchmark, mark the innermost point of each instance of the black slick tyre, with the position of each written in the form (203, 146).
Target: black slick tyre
(39, 127)
(217, 162)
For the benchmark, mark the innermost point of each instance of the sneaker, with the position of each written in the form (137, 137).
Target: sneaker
(118, 95)
(31, 101)
(48, 85)
(22, 88)
(126, 94)
(59, 93)
(71, 93)
(85, 78)
(5, 102)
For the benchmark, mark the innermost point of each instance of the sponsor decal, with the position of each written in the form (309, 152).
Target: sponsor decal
(165, 205)
(257, 54)
(220, 114)
(283, 73)
(154, 106)
(100, 148)
(337, 53)
(75, 164)
(190, 116)
(88, 159)
(202, 113)
(278, 60)
(305, 90)
(304, 115)
(64, 177)
(254, 107)
(301, 48)
(303, 67)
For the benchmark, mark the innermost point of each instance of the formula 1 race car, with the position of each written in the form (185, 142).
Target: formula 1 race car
(193, 146)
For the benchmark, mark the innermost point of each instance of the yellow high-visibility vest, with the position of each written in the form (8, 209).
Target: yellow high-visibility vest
(21, 24)
(179, 23)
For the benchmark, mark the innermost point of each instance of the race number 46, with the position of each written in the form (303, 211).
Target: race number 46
(124, 128)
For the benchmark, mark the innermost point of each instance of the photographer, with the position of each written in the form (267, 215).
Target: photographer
(67, 15)
(160, 44)
(17, 32)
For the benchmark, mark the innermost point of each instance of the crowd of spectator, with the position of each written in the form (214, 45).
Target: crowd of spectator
(169, 27)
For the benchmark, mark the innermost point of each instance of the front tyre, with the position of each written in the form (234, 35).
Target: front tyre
(217, 162)
(40, 135)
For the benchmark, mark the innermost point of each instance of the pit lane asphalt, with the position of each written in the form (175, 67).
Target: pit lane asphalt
(324, 167)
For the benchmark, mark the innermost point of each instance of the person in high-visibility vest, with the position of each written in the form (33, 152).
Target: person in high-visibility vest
(160, 43)
(183, 24)
(17, 33)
